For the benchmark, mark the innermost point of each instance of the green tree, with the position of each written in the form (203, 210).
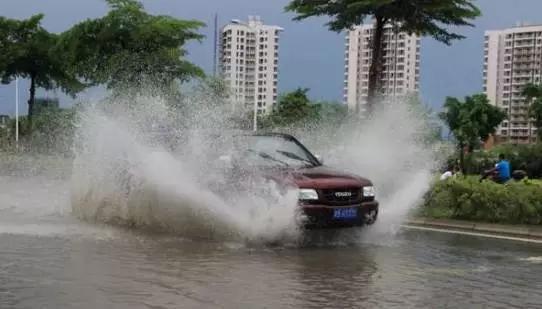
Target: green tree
(533, 93)
(422, 17)
(332, 112)
(28, 52)
(293, 109)
(131, 49)
(53, 132)
(471, 121)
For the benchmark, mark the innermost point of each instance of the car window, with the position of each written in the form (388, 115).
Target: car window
(275, 151)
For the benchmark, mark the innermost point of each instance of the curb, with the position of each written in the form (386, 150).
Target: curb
(530, 231)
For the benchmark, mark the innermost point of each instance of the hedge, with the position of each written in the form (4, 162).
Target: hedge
(466, 198)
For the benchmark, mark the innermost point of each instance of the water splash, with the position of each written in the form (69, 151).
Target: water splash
(121, 176)
(124, 173)
(395, 150)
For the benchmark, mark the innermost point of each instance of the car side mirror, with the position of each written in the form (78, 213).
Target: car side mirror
(320, 159)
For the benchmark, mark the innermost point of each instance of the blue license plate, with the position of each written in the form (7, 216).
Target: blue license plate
(345, 213)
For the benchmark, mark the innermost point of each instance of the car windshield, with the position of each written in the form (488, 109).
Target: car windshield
(264, 150)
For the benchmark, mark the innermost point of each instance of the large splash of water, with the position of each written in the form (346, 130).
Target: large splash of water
(139, 163)
(122, 174)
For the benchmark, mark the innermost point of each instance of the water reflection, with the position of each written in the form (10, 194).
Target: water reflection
(136, 270)
(336, 277)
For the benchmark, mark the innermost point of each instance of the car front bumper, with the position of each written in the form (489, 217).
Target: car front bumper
(315, 216)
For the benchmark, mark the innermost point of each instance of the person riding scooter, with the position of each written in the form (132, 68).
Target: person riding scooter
(500, 173)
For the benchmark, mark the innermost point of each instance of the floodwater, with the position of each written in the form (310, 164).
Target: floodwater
(48, 259)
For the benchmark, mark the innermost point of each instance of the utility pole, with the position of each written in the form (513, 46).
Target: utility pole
(215, 52)
(17, 111)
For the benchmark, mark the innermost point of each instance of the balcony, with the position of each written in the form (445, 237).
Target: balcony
(519, 134)
(525, 66)
(520, 82)
(524, 44)
(521, 118)
(522, 74)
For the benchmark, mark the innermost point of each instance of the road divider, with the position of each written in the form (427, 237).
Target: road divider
(526, 231)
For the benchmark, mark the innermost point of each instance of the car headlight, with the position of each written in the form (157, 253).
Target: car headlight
(308, 195)
(369, 191)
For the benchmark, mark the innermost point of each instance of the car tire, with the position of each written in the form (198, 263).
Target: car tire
(370, 217)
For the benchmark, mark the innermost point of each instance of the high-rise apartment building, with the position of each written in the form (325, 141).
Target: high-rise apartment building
(512, 59)
(401, 65)
(249, 56)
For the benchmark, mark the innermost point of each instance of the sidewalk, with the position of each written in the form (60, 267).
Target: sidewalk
(530, 231)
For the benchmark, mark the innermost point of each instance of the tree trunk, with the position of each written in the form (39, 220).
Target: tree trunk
(31, 100)
(462, 157)
(375, 72)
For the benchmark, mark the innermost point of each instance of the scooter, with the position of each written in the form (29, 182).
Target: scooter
(493, 175)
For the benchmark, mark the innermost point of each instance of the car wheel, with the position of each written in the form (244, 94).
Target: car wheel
(370, 217)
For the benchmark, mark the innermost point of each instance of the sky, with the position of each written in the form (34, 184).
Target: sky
(311, 55)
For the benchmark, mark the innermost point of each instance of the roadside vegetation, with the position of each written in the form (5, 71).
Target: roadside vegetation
(471, 121)
(466, 198)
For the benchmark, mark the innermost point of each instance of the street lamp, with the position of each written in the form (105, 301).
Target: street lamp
(17, 110)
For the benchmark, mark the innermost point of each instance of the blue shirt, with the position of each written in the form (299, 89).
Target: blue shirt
(503, 167)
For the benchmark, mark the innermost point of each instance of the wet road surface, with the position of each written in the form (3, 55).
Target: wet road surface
(51, 260)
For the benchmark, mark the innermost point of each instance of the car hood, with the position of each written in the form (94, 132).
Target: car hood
(321, 177)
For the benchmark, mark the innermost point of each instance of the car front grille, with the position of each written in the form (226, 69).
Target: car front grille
(345, 196)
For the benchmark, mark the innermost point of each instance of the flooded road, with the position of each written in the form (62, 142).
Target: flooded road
(48, 259)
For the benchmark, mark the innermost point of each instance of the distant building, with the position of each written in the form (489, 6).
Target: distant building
(512, 59)
(249, 56)
(401, 65)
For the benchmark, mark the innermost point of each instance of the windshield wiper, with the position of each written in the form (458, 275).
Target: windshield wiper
(267, 157)
(292, 155)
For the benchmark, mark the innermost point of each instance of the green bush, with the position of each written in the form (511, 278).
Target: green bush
(52, 133)
(467, 198)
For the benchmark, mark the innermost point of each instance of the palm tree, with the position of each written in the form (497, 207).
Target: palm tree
(421, 17)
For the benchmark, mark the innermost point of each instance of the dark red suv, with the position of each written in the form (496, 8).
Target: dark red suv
(327, 197)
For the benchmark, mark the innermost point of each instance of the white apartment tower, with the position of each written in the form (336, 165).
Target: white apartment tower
(249, 56)
(512, 59)
(401, 65)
